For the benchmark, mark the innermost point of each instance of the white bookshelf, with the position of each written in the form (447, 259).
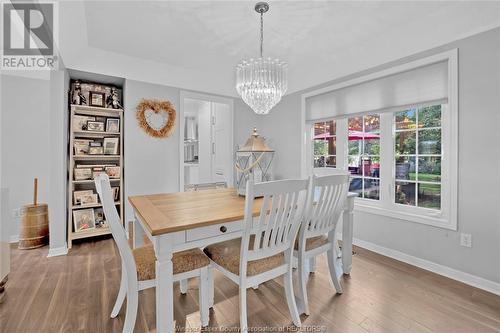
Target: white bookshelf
(88, 184)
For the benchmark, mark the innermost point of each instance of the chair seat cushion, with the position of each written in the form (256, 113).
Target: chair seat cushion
(313, 242)
(184, 261)
(227, 254)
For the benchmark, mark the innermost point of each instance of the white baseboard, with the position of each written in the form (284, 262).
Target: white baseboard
(14, 239)
(58, 251)
(472, 280)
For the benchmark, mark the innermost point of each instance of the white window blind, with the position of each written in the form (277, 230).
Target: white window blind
(420, 85)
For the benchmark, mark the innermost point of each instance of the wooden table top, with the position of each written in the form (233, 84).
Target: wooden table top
(166, 213)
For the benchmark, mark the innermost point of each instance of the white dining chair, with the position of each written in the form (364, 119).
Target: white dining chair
(264, 251)
(138, 265)
(317, 233)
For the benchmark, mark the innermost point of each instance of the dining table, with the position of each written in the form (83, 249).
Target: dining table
(180, 221)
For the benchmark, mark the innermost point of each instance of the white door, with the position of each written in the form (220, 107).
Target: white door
(222, 159)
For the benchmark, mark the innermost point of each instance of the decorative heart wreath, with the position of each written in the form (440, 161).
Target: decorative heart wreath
(145, 110)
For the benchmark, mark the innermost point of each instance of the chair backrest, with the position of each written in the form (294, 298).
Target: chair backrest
(282, 210)
(320, 172)
(103, 188)
(329, 195)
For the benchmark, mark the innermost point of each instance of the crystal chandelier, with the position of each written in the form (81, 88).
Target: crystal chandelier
(261, 82)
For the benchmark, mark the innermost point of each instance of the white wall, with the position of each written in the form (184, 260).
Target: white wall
(151, 164)
(479, 180)
(25, 141)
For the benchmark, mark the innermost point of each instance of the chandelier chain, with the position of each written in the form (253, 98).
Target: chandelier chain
(261, 33)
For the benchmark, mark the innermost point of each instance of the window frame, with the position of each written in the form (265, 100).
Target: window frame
(446, 217)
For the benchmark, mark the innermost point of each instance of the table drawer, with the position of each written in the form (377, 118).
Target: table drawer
(213, 230)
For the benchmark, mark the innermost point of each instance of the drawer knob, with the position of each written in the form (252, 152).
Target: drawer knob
(223, 229)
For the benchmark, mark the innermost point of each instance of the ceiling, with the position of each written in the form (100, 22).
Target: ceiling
(197, 44)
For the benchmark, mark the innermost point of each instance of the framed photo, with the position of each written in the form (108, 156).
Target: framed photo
(88, 199)
(81, 146)
(113, 172)
(83, 173)
(83, 219)
(97, 99)
(116, 193)
(100, 219)
(95, 144)
(77, 195)
(110, 146)
(80, 122)
(95, 126)
(96, 150)
(113, 125)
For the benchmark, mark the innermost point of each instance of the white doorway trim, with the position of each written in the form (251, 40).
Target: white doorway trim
(204, 97)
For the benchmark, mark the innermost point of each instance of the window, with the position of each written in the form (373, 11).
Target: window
(417, 157)
(363, 157)
(396, 132)
(325, 144)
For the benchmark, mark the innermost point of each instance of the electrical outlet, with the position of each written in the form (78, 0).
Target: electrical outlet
(466, 240)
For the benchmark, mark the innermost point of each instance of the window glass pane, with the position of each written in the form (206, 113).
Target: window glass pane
(319, 161)
(331, 127)
(371, 189)
(320, 147)
(332, 146)
(405, 143)
(354, 164)
(405, 193)
(372, 123)
(319, 129)
(429, 116)
(429, 169)
(356, 185)
(371, 166)
(356, 124)
(354, 147)
(371, 146)
(429, 141)
(331, 161)
(405, 167)
(406, 119)
(429, 195)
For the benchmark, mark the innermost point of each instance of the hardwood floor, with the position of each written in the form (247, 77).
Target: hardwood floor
(75, 293)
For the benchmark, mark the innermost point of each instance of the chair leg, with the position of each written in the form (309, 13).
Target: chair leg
(243, 308)
(131, 314)
(183, 284)
(333, 271)
(210, 287)
(203, 292)
(121, 294)
(303, 276)
(290, 297)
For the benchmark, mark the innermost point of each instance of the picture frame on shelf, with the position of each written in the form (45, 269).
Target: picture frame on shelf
(83, 219)
(96, 150)
(113, 172)
(77, 195)
(97, 99)
(88, 199)
(110, 146)
(79, 122)
(82, 173)
(95, 126)
(113, 125)
(116, 193)
(81, 146)
(100, 219)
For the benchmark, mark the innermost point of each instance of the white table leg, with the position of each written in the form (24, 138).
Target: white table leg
(138, 234)
(164, 284)
(311, 264)
(347, 234)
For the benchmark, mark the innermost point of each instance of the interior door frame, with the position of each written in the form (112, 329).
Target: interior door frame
(209, 98)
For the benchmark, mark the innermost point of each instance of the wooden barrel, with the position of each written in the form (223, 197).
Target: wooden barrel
(34, 230)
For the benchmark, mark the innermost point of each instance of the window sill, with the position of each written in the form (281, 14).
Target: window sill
(405, 216)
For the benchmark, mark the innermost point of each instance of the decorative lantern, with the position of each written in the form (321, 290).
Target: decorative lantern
(253, 161)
